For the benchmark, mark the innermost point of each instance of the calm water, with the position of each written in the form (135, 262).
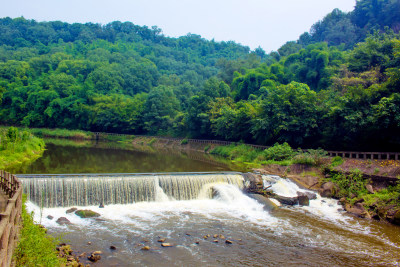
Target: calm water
(66, 156)
(318, 235)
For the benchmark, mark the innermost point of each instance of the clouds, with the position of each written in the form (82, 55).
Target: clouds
(264, 23)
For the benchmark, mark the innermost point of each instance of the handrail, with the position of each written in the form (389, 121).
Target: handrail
(10, 219)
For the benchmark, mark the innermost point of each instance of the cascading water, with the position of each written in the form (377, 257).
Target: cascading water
(186, 208)
(67, 191)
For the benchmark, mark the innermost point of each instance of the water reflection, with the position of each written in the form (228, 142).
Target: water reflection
(68, 156)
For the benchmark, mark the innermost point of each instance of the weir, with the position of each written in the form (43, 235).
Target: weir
(65, 190)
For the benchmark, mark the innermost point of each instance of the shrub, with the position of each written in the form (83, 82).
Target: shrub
(207, 148)
(278, 152)
(311, 157)
(184, 142)
(336, 161)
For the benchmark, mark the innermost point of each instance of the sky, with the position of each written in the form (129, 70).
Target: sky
(265, 23)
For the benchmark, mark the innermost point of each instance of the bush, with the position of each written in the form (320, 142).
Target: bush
(184, 142)
(278, 152)
(312, 157)
(336, 161)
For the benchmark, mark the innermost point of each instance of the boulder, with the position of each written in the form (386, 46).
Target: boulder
(254, 182)
(310, 195)
(304, 200)
(287, 200)
(357, 209)
(396, 217)
(328, 189)
(63, 221)
(268, 204)
(71, 210)
(50, 217)
(94, 257)
(370, 189)
(87, 213)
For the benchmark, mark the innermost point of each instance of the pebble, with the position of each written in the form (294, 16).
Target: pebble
(161, 240)
(166, 244)
(145, 248)
(215, 241)
(228, 242)
(113, 247)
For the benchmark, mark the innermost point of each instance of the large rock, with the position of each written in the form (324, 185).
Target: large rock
(268, 204)
(310, 195)
(304, 200)
(253, 182)
(87, 213)
(71, 210)
(287, 200)
(357, 209)
(396, 218)
(63, 221)
(328, 189)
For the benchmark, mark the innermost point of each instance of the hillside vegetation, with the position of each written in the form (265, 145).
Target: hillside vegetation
(337, 87)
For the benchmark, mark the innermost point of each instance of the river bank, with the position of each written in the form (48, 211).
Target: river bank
(18, 148)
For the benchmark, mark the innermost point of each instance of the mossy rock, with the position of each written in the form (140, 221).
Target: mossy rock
(87, 213)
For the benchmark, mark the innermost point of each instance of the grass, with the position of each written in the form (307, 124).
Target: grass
(35, 247)
(280, 154)
(62, 133)
(17, 148)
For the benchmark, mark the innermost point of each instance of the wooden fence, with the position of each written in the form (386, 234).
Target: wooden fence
(10, 219)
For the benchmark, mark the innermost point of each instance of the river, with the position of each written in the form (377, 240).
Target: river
(196, 213)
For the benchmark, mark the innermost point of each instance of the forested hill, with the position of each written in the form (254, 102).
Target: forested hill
(125, 78)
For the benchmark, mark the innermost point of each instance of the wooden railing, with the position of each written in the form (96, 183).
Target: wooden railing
(366, 155)
(343, 154)
(10, 219)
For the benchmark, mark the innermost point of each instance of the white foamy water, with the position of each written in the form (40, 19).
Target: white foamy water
(321, 227)
(229, 203)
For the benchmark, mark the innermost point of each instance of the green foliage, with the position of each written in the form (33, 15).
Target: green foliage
(184, 142)
(207, 148)
(17, 148)
(278, 152)
(151, 141)
(313, 157)
(35, 247)
(336, 161)
(336, 87)
(350, 185)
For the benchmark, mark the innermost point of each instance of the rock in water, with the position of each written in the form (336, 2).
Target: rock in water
(310, 195)
(50, 217)
(304, 200)
(161, 240)
(166, 244)
(63, 221)
(94, 257)
(113, 247)
(71, 210)
(145, 248)
(228, 242)
(87, 213)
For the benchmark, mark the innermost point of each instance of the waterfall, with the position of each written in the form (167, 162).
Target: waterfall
(65, 191)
